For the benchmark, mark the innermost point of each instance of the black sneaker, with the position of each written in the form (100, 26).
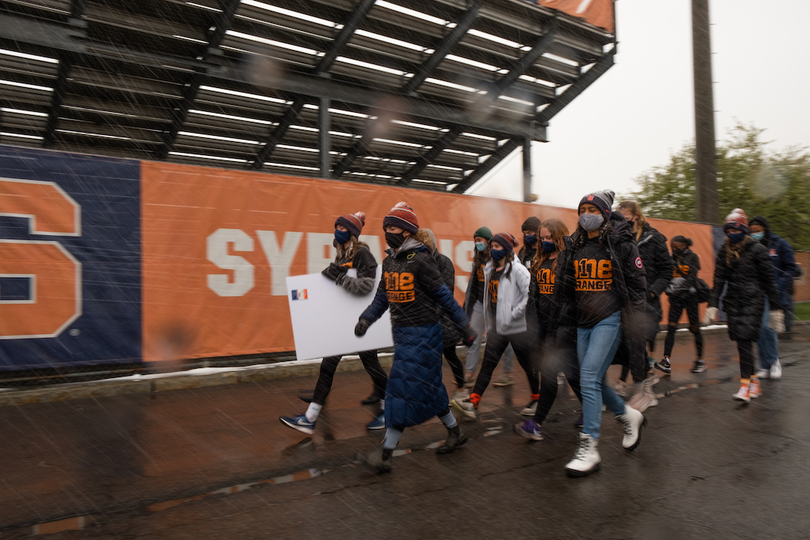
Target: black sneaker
(664, 365)
(699, 367)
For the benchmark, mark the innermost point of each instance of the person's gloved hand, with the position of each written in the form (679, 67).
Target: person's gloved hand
(469, 336)
(362, 327)
(776, 321)
(334, 270)
(710, 314)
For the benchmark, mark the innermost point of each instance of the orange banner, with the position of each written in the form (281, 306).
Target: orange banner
(217, 246)
(596, 12)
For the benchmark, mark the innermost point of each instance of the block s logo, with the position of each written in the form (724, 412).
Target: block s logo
(54, 275)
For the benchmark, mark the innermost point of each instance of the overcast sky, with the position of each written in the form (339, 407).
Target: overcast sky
(641, 111)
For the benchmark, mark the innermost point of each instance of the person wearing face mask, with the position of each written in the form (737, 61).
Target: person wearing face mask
(785, 269)
(603, 276)
(652, 247)
(451, 333)
(474, 300)
(351, 253)
(682, 293)
(412, 287)
(529, 250)
(505, 298)
(556, 336)
(744, 270)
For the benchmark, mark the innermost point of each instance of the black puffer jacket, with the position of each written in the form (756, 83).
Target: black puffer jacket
(686, 267)
(750, 279)
(652, 247)
(451, 332)
(629, 276)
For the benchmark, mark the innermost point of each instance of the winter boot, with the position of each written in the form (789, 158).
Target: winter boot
(455, 438)
(380, 459)
(633, 422)
(586, 460)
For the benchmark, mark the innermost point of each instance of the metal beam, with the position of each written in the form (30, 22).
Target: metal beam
(353, 21)
(214, 37)
(527, 170)
(443, 48)
(499, 155)
(428, 157)
(576, 88)
(324, 139)
(518, 67)
(422, 72)
(57, 98)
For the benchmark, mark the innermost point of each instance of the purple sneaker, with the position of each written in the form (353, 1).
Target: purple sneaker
(530, 430)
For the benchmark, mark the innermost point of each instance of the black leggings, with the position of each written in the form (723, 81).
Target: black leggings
(746, 350)
(676, 306)
(455, 364)
(496, 345)
(329, 366)
(557, 353)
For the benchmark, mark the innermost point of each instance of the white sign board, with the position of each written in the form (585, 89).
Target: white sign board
(324, 315)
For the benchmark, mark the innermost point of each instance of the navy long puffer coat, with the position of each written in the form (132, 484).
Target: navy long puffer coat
(411, 288)
(750, 279)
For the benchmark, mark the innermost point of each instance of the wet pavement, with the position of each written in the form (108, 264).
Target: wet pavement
(215, 462)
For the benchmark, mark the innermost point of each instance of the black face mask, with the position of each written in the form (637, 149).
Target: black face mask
(677, 252)
(394, 239)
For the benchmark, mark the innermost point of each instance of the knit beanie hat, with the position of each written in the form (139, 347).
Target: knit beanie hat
(683, 240)
(353, 222)
(531, 224)
(603, 200)
(402, 216)
(483, 232)
(506, 240)
(737, 220)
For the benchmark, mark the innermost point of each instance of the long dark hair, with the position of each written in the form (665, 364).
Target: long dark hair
(580, 236)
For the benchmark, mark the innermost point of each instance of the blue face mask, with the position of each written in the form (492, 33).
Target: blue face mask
(548, 247)
(736, 237)
(757, 235)
(497, 254)
(341, 237)
(480, 246)
(529, 239)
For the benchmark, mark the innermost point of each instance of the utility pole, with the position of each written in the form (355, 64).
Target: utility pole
(527, 169)
(705, 143)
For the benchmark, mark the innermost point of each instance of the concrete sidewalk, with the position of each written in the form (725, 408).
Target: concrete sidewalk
(215, 462)
(201, 377)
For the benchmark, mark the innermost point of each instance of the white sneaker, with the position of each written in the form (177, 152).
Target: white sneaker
(504, 380)
(586, 460)
(644, 397)
(464, 407)
(776, 370)
(461, 394)
(763, 373)
(529, 409)
(633, 422)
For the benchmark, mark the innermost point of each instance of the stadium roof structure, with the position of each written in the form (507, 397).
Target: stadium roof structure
(427, 93)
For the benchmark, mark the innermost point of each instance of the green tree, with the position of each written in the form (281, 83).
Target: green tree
(749, 176)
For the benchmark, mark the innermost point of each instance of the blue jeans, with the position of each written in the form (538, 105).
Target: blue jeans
(768, 343)
(595, 348)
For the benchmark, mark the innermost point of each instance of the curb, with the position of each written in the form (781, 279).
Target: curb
(182, 380)
(203, 377)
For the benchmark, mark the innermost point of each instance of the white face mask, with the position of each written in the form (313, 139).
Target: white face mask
(591, 222)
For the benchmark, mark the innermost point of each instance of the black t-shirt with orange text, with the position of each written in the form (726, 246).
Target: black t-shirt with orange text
(596, 296)
(492, 289)
(543, 288)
